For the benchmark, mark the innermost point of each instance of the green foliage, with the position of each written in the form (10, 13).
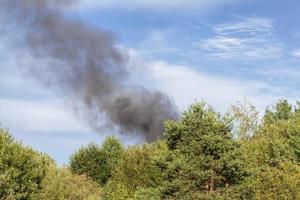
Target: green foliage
(282, 124)
(61, 184)
(203, 155)
(147, 194)
(273, 183)
(137, 169)
(97, 162)
(281, 111)
(273, 156)
(21, 169)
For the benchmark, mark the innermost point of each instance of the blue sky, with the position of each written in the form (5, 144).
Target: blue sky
(216, 50)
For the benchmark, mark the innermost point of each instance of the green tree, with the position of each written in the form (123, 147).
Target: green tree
(22, 170)
(281, 111)
(61, 184)
(203, 157)
(282, 124)
(137, 169)
(97, 162)
(272, 183)
(273, 156)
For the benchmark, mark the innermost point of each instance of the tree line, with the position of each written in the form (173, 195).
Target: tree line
(205, 155)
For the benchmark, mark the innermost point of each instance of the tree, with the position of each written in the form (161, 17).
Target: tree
(97, 162)
(282, 123)
(203, 156)
(22, 170)
(61, 184)
(137, 171)
(273, 156)
(272, 183)
(281, 111)
(245, 120)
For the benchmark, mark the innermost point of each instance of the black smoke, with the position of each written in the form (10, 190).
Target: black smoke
(83, 64)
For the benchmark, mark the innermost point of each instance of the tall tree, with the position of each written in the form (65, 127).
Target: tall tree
(96, 161)
(203, 155)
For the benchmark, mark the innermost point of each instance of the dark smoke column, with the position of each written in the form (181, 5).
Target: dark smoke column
(83, 64)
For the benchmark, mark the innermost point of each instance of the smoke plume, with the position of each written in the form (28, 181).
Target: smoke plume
(83, 64)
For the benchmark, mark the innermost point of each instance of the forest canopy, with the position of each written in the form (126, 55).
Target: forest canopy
(204, 155)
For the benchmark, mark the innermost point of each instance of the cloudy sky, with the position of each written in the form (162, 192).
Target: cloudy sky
(221, 51)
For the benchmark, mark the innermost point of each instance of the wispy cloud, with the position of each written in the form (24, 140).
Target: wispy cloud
(151, 4)
(245, 38)
(251, 25)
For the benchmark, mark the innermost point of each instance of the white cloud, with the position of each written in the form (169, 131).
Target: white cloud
(186, 85)
(296, 53)
(151, 4)
(33, 116)
(245, 38)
